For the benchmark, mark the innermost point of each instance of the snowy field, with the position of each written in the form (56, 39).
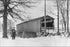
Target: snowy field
(40, 41)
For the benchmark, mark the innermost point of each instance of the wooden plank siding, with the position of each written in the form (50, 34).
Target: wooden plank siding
(32, 26)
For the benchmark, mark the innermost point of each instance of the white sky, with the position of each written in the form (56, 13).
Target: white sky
(39, 10)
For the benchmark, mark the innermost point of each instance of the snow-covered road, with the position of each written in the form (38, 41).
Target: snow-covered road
(40, 41)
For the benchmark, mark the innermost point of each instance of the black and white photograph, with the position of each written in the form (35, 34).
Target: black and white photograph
(34, 23)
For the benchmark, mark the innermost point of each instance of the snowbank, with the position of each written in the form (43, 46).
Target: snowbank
(40, 41)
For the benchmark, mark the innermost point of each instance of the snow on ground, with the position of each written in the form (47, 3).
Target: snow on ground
(40, 41)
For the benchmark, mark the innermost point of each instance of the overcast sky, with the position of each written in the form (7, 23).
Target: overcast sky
(39, 10)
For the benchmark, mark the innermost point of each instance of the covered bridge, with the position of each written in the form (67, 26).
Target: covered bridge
(34, 27)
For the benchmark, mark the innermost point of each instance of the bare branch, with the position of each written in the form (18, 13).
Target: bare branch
(11, 15)
(15, 5)
(18, 16)
(63, 15)
(26, 5)
(1, 16)
(10, 11)
(1, 0)
(22, 2)
(18, 10)
(1, 11)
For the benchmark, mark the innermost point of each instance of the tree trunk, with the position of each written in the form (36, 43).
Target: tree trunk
(68, 16)
(45, 16)
(5, 21)
(64, 21)
(58, 33)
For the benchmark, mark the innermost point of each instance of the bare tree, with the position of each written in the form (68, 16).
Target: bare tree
(63, 12)
(64, 8)
(68, 15)
(9, 7)
(57, 1)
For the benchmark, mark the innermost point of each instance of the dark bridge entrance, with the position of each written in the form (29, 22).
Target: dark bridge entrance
(49, 24)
